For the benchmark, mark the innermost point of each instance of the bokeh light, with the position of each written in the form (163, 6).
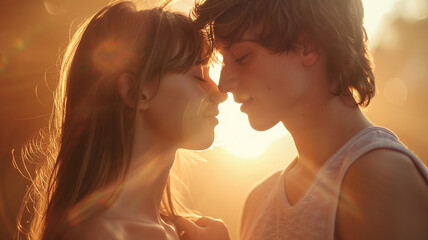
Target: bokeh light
(3, 62)
(395, 91)
(20, 44)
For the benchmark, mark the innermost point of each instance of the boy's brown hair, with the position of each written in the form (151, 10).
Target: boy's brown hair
(334, 25)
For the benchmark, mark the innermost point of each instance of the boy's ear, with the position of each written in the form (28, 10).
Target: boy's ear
(127, 88)
(310, 52)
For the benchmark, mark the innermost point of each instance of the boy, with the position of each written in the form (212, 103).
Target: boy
(305, 63)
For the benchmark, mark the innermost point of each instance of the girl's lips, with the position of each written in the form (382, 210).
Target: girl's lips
(211, 113)
(212, 119)
(211, 116)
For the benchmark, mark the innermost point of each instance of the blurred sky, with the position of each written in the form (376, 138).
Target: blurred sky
(33, 33)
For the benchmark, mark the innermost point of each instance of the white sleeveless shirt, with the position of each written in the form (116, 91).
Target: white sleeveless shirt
(313, 215)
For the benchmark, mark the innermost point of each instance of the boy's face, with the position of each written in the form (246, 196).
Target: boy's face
(269, 85)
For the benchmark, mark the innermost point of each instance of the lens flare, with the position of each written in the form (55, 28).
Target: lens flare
(110, 56)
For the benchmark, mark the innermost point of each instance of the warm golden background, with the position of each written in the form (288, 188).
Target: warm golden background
(33, 33)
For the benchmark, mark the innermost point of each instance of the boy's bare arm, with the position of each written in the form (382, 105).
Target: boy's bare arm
(383, 197)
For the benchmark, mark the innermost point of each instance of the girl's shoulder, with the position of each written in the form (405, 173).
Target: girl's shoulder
(114, 229)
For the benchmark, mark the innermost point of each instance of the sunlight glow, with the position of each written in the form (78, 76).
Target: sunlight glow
(215, 69)
(236, 135)
(414, 9)
(374, 12)
(181, 5)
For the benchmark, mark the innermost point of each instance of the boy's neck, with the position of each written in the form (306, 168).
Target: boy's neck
(319, 131)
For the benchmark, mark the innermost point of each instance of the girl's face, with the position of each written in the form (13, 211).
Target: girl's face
(184, 108)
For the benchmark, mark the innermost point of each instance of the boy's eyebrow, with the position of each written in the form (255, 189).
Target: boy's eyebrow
(239, 42)
(223, 47)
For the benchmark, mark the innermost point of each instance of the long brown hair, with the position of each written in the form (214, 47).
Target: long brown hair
(87, 147)
(336, 26)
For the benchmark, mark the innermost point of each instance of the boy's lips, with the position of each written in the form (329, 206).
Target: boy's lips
(245, 105)
(241, 98)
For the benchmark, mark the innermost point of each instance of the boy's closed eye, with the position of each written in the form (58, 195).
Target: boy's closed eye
(243, 58)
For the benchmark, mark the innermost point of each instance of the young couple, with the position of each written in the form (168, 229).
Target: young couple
(134, 88)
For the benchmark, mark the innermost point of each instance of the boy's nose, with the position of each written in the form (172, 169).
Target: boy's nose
(228, 81)
(213, 92)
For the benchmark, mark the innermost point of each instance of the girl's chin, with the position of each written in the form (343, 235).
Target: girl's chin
(199, 142)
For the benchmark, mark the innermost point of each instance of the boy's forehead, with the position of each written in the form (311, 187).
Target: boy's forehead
(223, 48)
(248, 36)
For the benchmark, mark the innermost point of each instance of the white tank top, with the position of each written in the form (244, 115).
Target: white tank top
(313, 215)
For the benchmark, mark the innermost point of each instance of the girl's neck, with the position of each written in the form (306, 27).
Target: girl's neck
(143, 187)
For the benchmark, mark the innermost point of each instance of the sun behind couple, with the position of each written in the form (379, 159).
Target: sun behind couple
(134, 89)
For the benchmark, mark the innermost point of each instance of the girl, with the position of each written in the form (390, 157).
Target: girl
(132, 91)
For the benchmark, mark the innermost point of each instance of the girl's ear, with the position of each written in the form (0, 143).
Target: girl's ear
(144, 98)
(127, 87)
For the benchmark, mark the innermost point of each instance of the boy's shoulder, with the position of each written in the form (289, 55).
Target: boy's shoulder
(387, 189)
(388, 166)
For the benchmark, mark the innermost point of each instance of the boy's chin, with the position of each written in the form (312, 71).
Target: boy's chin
(260, 125)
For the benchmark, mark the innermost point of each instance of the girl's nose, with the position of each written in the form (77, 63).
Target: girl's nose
(216, 95)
